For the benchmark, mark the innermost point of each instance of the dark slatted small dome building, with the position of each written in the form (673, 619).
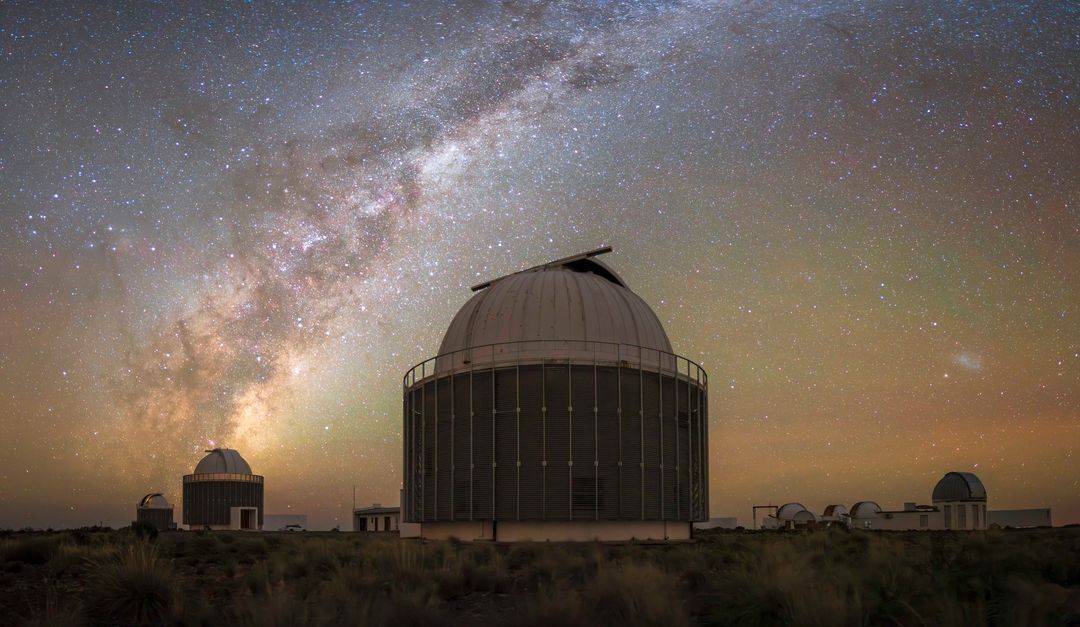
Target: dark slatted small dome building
(556, 410)
(156, 511)
(961, 497)
(223, 493)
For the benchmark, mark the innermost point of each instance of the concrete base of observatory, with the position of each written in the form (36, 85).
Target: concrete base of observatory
(556, 531)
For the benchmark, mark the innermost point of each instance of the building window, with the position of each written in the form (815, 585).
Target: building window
(386, 523)
(974, 516)
(924, 520)
(948, 516)
(961, 517)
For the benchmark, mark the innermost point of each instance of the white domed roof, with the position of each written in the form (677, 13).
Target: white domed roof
(572, 307)
(789, 510)
(222, 460)
(835, 511)
(155, 501)
(865, 509)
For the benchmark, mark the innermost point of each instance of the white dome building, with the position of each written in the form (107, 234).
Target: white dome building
(793, 516)
(961, 497)
(223, 493)
(864, 514)
(556, 409)
(155, 510)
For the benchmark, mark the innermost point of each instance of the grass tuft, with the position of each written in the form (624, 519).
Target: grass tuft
(135, 587)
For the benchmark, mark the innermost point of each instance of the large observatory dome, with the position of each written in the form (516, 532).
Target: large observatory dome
(223, 460)
(556, 409)
(579, 299)
(571, 307)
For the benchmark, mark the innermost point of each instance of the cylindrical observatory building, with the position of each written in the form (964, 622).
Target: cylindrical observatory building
(556, 410)
(223, 493)
(155, 511)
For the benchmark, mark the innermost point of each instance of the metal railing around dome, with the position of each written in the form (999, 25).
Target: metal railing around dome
(574, 352)
(223, 476)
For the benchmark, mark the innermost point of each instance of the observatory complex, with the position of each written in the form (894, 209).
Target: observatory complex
(223, 493)
(556, 409)
(959, 504)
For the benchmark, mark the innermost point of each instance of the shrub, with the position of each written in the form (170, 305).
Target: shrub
(144, 531)
(635, 593)
(135, 587)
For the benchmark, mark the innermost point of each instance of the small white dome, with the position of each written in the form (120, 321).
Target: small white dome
(865, 509)
(154, 501)
(835, 511)
(223, 460)
(789, 510)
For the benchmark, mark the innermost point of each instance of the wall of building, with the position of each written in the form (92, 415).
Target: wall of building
(1019, 517)
(924, 520)
(962, 515)
(237, 519)
(718, 523)
(208, 503)
(161, 518)
(376, 522)
(557, 531)
(543, 443)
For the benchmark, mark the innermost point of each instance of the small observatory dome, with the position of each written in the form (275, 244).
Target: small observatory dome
(959, 486)
(155, 501)
(154, 510)
(222, 460)
(865, 509)
(789, 510)
(835, 512)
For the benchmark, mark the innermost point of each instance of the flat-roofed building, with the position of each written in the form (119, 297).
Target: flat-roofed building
(377, 518)
(1019, 518)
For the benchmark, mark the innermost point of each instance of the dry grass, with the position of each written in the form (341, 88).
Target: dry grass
(133, 587)
(823, 578)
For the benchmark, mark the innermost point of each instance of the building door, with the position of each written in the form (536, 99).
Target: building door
(245, 519)
(386, 523)
(363, 523)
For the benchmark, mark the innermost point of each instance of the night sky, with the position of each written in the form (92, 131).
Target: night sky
(240, 224)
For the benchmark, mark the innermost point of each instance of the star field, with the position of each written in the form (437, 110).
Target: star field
(240, 224)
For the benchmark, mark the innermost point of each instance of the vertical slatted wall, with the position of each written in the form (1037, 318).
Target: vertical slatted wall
(556, 441)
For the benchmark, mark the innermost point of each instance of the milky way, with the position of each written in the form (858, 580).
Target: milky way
(240, 225)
